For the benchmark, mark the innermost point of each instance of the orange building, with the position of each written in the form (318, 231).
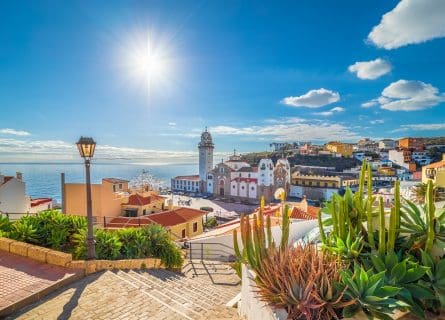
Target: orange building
(411, 144)
(107, 197)
(345, 149)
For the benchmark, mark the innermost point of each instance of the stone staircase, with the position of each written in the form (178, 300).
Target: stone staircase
(201, 292)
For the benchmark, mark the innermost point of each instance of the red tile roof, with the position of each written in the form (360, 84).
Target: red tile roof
(194, 177)
(435, 165)
(138, 200)
(166, 218)
(39, 201)
(6, 179)
(311, 213)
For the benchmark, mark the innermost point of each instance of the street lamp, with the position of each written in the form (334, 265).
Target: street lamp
(86, 148)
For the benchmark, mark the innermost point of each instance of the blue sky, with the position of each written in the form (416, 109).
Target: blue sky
(252, 72)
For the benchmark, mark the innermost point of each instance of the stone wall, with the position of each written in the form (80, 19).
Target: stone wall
(63, 259)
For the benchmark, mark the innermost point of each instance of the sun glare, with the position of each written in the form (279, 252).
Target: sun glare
(146, 61)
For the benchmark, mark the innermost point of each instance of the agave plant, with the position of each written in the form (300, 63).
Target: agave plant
(404, 273)
(434, 279)
(372, 295)
(348, 250)
(5, 224)
(424, 226)
(303, 280)
(134, 244)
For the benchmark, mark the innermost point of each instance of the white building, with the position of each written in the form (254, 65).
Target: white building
(13, 198)
(387, 144)
(186, 183)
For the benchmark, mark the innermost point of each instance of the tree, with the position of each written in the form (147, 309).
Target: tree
(419, 193)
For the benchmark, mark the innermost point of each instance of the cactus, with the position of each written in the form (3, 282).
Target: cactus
(369, 210)
(397, 205)
(256, 241)
(430, 217)
(382, 244)
(392, 231)
(320, 225)
(285, 228)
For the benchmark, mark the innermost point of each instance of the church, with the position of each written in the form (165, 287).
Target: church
(234, 178)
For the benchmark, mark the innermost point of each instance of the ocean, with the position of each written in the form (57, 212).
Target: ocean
(43, 179)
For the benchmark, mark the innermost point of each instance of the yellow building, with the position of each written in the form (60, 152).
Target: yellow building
(345, 149)
(436, 172)
(312, 180)
(107, 197)
(182, 223)
(142, 204)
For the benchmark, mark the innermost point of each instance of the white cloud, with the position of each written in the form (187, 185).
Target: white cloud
(330, 112)
(313, 130)
(370, 104)
(313, 99)
(172, 124)
(377, 121)
(14, 132)
(370, 70)
(407, 95)
(421, 127)
(411, 21)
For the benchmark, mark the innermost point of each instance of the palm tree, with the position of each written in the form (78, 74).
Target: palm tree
(419, 193)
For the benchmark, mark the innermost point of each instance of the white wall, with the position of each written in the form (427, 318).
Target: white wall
(13, 198)
(221, 247)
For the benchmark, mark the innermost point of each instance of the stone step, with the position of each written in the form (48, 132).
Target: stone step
(182, 293)
(199, 283)
(158, 296)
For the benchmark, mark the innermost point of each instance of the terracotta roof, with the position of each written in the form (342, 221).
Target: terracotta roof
(435, 165)
(6, 179)
(311, 213)
(166, 218)
(39, 201)
(138, 200)
(114, 180)
(194, 177)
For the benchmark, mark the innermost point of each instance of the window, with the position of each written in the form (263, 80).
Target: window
(325, 184)
(242, 187)
(248, 175)
(209, 177)
(114, 188)
(120, 186)
(195, 227)
(183, 233)
(253, 188)
(233, 187)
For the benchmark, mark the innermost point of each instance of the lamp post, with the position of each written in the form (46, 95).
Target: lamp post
(86, 148)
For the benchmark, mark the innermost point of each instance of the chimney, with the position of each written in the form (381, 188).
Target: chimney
(18, 175)
(170, 204)
(303, 204)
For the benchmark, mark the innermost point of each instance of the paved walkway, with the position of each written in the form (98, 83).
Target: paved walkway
(150, 294)
(23, 280)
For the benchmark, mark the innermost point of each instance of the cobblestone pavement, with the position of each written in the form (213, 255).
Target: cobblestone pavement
(21, 278)
(150, 294)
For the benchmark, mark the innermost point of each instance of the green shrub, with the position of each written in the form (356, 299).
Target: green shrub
(24, 230)
(171, 256)
(108, 245)
(211, 223)
(134, 243)
(5, 224)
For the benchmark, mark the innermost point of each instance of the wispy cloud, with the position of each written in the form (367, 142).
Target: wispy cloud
(313, 99)
(421, 127)
(411, 21)
(13, 132)
(377, 121)
(370, 70)
(306, 130)
(330, 112)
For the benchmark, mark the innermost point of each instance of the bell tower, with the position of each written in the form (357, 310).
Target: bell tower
(205, 148)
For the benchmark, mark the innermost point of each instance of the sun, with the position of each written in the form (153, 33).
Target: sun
(146, 61)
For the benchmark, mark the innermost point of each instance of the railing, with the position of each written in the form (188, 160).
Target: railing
(209, 251)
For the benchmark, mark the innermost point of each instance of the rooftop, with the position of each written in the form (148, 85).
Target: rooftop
(114, 180)
(193, 177)
(139, 200)
(38, 201)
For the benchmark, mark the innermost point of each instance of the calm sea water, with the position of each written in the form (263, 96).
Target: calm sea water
(43, 179)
